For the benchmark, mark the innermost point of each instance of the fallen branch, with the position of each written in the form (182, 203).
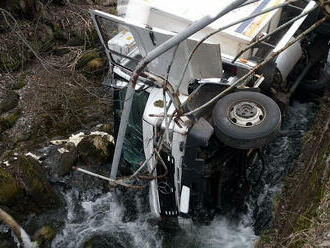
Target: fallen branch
(20, 233)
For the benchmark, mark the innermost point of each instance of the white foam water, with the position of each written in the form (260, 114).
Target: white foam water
(88, 219)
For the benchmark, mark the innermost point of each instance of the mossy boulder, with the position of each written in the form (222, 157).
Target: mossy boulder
(95, 150)
(28, 8)
(24, 187)
(8, 100)
(9, 190)
(32, 179)
(9, 120)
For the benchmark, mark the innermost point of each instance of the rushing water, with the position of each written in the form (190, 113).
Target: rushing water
(105, 219)
(128, 223)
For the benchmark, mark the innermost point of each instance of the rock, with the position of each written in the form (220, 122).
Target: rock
(8, 100)
(95, 150)
(9, 120)
(107, 128)
(29, 8)
(6, 240)
(30, 176)
(9, 190)
(67, 158)
(44, 236)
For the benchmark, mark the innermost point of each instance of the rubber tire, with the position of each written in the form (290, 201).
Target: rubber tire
(246, 137)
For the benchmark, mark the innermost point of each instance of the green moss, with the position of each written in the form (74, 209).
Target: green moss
(34, 183)
(8, 62)
(8, 188)
(9, 121)
(21, 82)
(297, 244)
(95, 64)
(58, 33)
(113, 11)
(86, 58)
(44, 235)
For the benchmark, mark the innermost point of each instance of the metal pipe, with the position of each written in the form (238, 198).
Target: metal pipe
(113, 182)
(164, 47)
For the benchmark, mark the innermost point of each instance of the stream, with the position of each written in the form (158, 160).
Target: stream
(102, 220)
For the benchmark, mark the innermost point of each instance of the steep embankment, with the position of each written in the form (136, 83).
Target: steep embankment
(302, 214)
(51, 72)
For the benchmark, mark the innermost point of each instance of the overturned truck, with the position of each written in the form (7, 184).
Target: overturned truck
(199, 90)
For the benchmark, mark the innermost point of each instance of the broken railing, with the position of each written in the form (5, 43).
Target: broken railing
(172, 93)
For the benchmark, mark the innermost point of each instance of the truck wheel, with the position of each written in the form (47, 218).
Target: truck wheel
(246, 119)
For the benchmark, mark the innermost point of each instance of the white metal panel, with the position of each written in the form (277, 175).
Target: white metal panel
(184, 200)
(288, 58)
(206, 62)
(153, 111)
(175, 16)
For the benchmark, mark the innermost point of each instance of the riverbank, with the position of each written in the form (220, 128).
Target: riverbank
(52, 67)
(302, 212)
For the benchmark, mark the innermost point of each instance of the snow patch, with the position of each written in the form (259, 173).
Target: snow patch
(62, 150)
(33, 156)
(76, 138)
(109, 137)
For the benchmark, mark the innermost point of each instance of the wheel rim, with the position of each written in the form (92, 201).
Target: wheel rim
(246, 114)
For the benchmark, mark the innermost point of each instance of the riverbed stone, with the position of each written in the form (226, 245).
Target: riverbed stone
(31, 178)
(95, 150)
